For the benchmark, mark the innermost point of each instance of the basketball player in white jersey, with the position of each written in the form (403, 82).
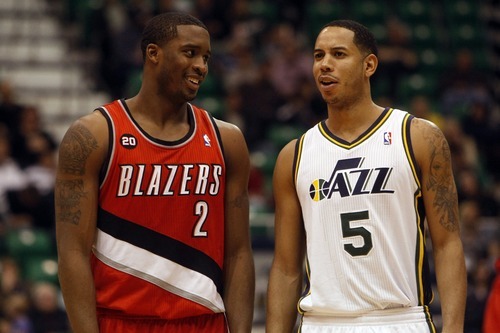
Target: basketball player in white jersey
(355, 197)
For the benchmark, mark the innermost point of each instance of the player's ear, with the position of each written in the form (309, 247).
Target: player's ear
(370, 63)
(152, 53)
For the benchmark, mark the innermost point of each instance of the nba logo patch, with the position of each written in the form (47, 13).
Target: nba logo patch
(387, 138)
(207, 140)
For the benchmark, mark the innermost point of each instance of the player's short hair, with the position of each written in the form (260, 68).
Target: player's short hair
(363, 37)
(163, 27)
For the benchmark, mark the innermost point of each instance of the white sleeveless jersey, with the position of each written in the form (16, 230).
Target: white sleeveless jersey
(363, 216)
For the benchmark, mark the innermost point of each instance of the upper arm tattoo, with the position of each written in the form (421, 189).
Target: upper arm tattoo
(76, 148)
(441, 179)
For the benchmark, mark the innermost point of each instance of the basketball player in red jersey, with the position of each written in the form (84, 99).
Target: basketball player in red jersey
(152, 203)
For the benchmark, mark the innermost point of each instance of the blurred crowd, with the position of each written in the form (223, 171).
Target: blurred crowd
(260, 79)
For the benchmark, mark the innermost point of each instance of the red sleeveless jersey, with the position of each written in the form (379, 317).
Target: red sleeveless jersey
(160, 230)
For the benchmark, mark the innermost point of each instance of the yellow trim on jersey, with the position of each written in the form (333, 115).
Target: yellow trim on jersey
(428, 317)
(421, 239)
(298, 156)
(407, 150)
(361, 139)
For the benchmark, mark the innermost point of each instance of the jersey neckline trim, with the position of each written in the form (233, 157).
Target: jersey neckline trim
(185, 138)
(323, 128)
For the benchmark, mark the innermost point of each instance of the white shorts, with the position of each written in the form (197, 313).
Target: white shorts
(412, 320)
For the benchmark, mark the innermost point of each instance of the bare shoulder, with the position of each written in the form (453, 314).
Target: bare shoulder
(428, 140)
(228, 129)
(425, 127)
(287, 153)
(231, 135)
(86, 136)
(283, 170)
(234, 145)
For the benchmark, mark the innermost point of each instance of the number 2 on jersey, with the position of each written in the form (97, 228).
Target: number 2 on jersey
(349, 231)
(200, 210)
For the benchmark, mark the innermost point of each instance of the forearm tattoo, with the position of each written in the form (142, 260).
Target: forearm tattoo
(76, 148)
(68, 194)
(441, 179)
(239, 202)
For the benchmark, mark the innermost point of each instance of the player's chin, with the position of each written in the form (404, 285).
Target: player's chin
(190, 96)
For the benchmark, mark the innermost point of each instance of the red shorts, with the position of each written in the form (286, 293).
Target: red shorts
(215, 323)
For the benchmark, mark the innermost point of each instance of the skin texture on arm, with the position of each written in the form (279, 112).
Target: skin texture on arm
(239, 272)
(81, 155)
(286, 276)
(441, 204)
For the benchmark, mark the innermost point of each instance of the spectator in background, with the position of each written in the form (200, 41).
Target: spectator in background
(12, 177)
(30, 141)
(397, 58)
(421, 107)
(478, 122)
(477, 295)
(259, 102)
(289, 63)
(10, 277)
(241, 67)
(463, 84)
(9, 107)
(5, 326)
(469, 188)
(34, 149)
(15, 307)
(470, 215)
(117, 30)
(464, 152)
(46, 314)
(213, 13)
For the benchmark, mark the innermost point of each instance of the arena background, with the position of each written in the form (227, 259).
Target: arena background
(59, 59)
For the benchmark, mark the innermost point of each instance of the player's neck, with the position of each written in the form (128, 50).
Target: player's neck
(350, 123)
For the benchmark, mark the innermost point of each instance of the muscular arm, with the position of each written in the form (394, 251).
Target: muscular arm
(285, 280)
(239, 272)
(441, 205)
(76, 192)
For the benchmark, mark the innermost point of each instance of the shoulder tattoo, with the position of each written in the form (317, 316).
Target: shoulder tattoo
(76, 147)
(441, 179)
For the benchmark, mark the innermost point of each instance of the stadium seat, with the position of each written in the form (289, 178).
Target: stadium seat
(434, 60)
(280, 134)
(213, 104)
(368, 12)
(41, 268)
(468, 34)
(425, 35)
(462, 11)
(134, 82)
(26, 242)
(319, 13)
(211, 86)
(267, 10)
(414, 11)
(418, 84)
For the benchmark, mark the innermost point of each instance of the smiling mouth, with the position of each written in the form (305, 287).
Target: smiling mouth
(194, 81)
